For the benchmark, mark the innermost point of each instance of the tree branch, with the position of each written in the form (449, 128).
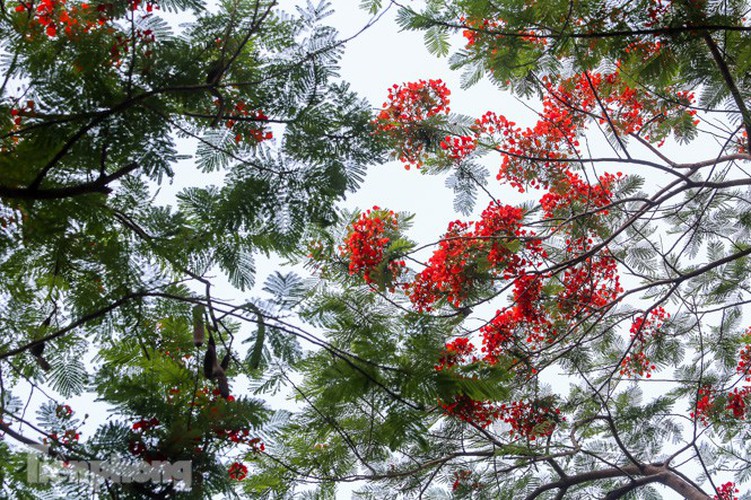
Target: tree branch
(737, 97)
(100, 185)
(657, 471)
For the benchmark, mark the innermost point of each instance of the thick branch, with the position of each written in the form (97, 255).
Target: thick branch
(81, 321)
(100, 185)
(551, 34)
(730, 82)
(659, 472)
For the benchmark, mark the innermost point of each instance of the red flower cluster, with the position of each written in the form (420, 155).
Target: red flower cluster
(499, 334)
(400, 121)
(571, 191)
(705, 400)
(17, 115)
(464, 408)
(459, 477)
(657, 11)
(538, 156)
(241, 436)
(738, 399)
(744, 362)
(64, 435)
(254, 133)
(499, 227)
(476, 28)
(532, 156)
(237, 471)
(741, 143)
(136, 447)
(588, 286)
(453, 269)
(459, 147)
(642, 331)
(53, 16)
(68, 437)
(150, 6)
(727, 491)
(140, 38)
(145, 425)
(456, 352)
(209, 399)
(530, 420)
(63, 412)
(646, 49)
(737, 402)
(366, 247)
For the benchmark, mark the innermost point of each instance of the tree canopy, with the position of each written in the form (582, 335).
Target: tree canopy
(103, 286)
(588, 341)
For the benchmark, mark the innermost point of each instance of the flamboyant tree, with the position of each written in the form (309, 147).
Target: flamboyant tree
(590, 342)
(107, 290)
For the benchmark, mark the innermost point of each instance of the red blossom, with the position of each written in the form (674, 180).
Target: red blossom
(249, 125)
(456, 352)
(136, 447)
(482, 413)
(705, 400)
(453, 269)
(237, 471)
(530, 420)
(63, 411)
(458, 148)
(71, 19)
(727, 492)
(744, 362)
(737, 402)
(590, 285)
(403, 114)
(538, 156)
(643, 331)
(145, 425)
(366, 245)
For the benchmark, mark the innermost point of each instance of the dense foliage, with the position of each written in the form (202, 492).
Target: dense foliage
(103, 284)
(589, 342)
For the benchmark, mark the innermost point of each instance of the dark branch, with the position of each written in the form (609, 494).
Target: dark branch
(100, 185)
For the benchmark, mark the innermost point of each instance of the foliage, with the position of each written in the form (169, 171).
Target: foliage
(590, 342)
(107, 290)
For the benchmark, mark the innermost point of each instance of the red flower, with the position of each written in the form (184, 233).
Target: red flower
(366, 245)
(238, 471)
(530, 420)
(744, 362)
(63, 411)
(454, 267)
(704, 405)
(456, 352)
(136, 447)
(482, 413)
(402, 117)
(145, 425)
(643, 330)
(726, 492)
(737, 402)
